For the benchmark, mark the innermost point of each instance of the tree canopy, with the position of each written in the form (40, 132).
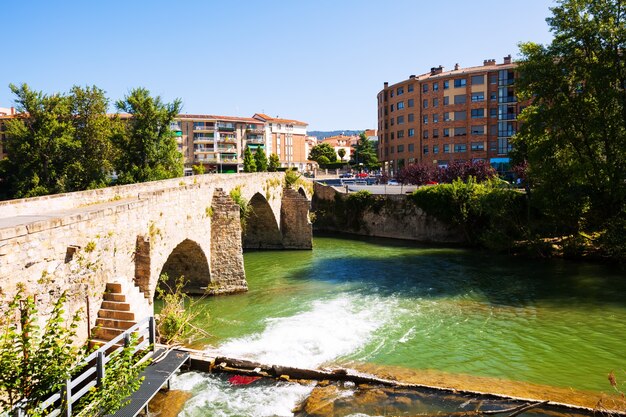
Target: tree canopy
(147, 147)
(249, 165)
(573, 133)
(274, 163)
(260, 159)
(322, 150)
(365, 153)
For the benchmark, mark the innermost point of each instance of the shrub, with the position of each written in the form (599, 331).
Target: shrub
(174, 319)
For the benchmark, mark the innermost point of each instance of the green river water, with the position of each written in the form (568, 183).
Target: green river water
(383, 302)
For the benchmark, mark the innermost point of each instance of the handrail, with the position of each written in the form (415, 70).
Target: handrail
(95, 364)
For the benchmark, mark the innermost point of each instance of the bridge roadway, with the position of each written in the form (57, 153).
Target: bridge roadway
(47, 215)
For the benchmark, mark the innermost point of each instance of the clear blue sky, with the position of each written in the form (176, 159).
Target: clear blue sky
(320, 61)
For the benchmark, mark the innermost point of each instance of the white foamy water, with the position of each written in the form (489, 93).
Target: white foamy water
(332, 328)
(215, 397)
(329, 330)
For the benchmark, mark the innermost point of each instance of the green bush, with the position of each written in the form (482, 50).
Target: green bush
(488, 215)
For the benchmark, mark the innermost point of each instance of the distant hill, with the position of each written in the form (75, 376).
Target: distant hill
(322, 135)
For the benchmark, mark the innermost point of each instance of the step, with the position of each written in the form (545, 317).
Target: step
(115, 305)
(116, 314)
(114, 287)
(108, 296)
(114, 323)
(107, 333)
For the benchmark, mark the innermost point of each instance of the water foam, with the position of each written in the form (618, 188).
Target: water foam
(330, 329)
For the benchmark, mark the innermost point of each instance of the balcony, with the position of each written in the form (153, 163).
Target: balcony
(207, 158)
(226, 128)
(257, 141)
(229, 158)
(201, 139)
(507, 99)
(256, 130)
(203, 128)
(506, 81)
(231, 149)
(227, 139)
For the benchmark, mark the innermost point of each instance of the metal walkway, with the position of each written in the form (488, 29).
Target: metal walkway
(155, 376)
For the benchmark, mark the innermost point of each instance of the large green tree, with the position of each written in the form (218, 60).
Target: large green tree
(260, 159)
(41, 144)
(93, 127)
(573, 133)
(365, 153)
(147, 148)
(323, 149)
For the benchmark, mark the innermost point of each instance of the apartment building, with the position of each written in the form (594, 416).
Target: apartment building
(345, 142)
(443, 116)
(288, 139)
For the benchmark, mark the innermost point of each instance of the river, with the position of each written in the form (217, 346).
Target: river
(430, 312)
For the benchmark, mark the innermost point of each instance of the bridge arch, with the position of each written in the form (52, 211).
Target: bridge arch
(261, 227)
(189, 260)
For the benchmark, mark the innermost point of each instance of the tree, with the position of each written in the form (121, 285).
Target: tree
(249, 165)
(260, 160)
(41, 144)
(198, 169)
(93, 161)
(147, 147)
(274, 163)
(323, 149)
(341, 152)
(573, 134)
(365, 153)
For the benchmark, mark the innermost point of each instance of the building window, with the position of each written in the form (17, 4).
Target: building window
(411, 132)
(400, 148)
(435, 86)
(460, 115)
(446, 132)
(435, 133)
(411, 117)
(478, 96)
(460, 99)
(446, 117)
(478, 79)
(425, 134)
(503, 146)
(460, 131)
(400, 134)
(493, 96)
(436, 118)
(426, 119)
(493, 113)
(446, 148)
(391, 108)
(446, 100)
(391, 93)
(400, 105)
(392, 121)
(411, 147)
(435, 148)
(425, 149)
(400, 91)
(493, 79)
(460, 82)
(391, 149)
(478, 113)
(410, 88)
(446, 85)
(478, 146)
(425, 103)
(392, 136)
(478, 130)
(400, 120)
(425, 88)
(435, 102)
(460, 147)
(493, 130)
(411, 102)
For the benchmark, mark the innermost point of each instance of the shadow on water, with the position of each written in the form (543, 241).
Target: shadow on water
(406, 269)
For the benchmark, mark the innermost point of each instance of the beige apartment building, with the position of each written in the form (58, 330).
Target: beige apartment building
(288, 139)
(443, 116)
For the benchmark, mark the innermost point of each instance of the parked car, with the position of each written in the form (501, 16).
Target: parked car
(362, 175)
(346, 175)
(393, 182)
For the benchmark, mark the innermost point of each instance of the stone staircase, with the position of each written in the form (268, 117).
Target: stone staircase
(123, 306)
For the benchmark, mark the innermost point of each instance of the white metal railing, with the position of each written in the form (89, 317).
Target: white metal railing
(95, 368)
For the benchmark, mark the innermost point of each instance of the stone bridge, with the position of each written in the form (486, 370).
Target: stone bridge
(79, 242)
